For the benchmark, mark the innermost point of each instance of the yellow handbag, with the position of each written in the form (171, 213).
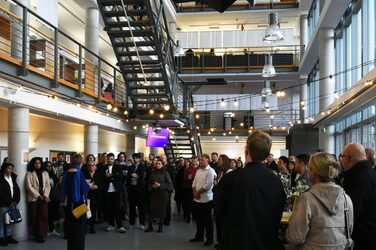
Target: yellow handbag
(80, 210)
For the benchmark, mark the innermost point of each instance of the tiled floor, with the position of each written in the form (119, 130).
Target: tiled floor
(174, 237)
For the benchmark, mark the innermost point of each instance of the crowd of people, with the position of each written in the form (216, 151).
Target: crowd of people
(332, 202)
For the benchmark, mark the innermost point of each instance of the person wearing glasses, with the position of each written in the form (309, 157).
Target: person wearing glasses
(360, 184)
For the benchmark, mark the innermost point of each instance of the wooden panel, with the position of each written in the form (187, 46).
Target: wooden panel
(5, 28)
(89, 77)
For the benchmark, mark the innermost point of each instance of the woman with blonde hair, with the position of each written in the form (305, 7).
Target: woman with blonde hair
(323, 216)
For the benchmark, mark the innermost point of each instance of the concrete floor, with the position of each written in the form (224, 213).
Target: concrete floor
(175, 236)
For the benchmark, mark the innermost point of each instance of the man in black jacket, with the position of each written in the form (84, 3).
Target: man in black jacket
(251, 201)
(113, 187)
(360, 184)
(170, 168)
(136, 190)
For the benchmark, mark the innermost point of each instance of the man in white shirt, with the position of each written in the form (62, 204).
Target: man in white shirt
(203, 199)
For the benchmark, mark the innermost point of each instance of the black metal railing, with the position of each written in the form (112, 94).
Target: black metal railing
(36, 45)
(238, 58)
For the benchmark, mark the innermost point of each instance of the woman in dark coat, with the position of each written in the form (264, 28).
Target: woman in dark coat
(75, 188)
(95, 179)
(159, 186)
(9, 194)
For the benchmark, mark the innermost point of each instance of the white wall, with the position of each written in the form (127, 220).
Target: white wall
(111, 142)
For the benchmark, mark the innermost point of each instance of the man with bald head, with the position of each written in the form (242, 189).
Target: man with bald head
(360, 184)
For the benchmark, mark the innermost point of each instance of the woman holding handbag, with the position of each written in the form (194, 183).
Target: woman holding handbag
(37, 182)
(323, 216)
(75, 188)
(9, 195)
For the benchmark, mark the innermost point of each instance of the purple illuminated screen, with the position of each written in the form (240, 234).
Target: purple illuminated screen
(157, 139)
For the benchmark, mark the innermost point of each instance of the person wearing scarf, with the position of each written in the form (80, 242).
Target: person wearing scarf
(38, 188)
(75, 189)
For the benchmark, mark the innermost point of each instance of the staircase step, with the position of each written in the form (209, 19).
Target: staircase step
(120, 13)
(131, 44)
(137, 62)
(138, 70)
(136, 102)
(125, 24)
(146, 96)
(140, 79)
(127, 33)
(146, 87)
(140, 52)
(118, 2)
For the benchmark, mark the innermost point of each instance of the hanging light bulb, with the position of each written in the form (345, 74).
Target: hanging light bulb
(266, 90)
(273, 32)
(236, 103)
(268, 70)
(178, 51)
(223, 102)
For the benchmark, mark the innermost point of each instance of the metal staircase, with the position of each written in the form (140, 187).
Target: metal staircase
(139, 35)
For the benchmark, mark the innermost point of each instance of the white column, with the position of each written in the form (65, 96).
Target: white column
(91, 140)
(92, 33)
(327, 85)
(173, 30)
(16, 34)
(130, 145)
(18, 150)
(303, 33)
(326, 67)
(303, 98)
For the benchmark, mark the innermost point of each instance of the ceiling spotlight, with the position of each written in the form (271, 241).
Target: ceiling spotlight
(299, 121)
(212, 129)
(178, 51)
(267, 110)
(115, 109)
(241, 124)
(135, 127)
(192, 109)
(213, 139)
(273, 32)
(209, 133)
(198, 134)
(166, 107)
(125, 112)
(109, 106)
(272, 117)
(78, 105)
(151, 111)
(90, 106)
(302, 103)
(118, 120)
(268, 70)
(197, 116)
(336, 95)
(281, 93)
(161, 116)
(224, 134)
(322, 113)
(236, 103)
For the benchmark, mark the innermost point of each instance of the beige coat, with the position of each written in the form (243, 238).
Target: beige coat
(317, 221)
(32, 185)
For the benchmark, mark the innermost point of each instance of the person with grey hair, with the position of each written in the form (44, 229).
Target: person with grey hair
(359, 183)
(251, 201)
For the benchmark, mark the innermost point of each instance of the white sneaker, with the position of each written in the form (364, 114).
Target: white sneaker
(142, 227)
(121, 230)
(110, 228)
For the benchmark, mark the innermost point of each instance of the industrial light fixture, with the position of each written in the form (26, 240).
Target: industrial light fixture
(268, 70)
(266, 90)
(273, 32)
(264, 103)
(223, 102)
(178, 51)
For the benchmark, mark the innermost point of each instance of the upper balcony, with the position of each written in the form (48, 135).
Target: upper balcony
(240, 5)
(238, 60)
